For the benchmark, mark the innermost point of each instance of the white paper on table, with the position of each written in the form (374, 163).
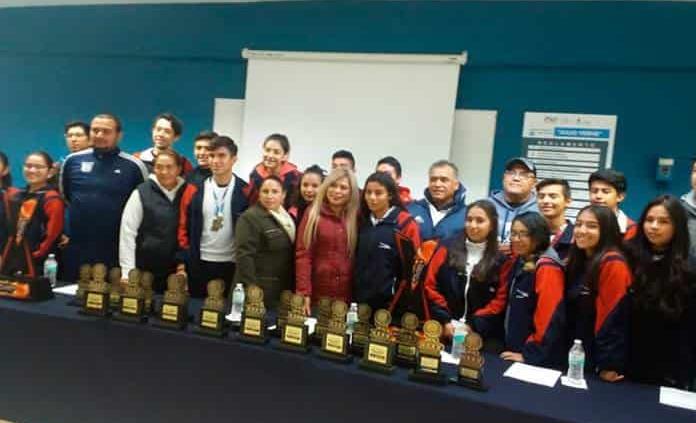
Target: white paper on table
(578, 384)
(678, 398)
(448, 358)
(533, 374)
(66, 290)
(311, 322)
(234, 317)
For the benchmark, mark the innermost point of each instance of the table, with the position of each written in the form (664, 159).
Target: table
(59, 366)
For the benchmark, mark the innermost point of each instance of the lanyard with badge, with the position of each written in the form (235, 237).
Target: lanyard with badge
(218, 220)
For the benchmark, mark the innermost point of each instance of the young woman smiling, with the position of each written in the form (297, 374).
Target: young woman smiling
(274, 161)
(598, 281)
(309, 184)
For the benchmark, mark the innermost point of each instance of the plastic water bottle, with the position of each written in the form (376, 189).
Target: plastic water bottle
(237, 302)
(576, 361)
(51, 269)
(351, 318)
(458, 338)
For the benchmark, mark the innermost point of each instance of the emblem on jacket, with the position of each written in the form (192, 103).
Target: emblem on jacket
(86, 167)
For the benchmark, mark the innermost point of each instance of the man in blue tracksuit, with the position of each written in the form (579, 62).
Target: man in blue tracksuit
(96, 184)
(442, 212)
(516, 197)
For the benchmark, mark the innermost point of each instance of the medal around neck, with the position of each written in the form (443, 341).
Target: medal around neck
(211, 318)
(294, 334)
(132, 300)
(252, 327)
(378, 354)
(428, 363)
(173, 313)
(97, 293)
(335, 343)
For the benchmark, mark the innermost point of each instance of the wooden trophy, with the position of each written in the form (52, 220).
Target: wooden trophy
(323, 318)
(294, 334)
(146, 281)
(211, 319)
(470, 369)
(83, 280)
(407, 340)
(252, 327)
(428, 363)
(361, 329)
(174, 311)
(283, 310)
(132, 300)
(379, 351)
(335, 344)
(97, 294)
(115, 292)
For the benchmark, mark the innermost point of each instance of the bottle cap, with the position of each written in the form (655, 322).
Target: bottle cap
(577, 341)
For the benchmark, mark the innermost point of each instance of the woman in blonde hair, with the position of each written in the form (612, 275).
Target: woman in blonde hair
(326, 240)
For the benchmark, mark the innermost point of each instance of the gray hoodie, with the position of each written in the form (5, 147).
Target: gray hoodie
(507, 213)
(689, 202)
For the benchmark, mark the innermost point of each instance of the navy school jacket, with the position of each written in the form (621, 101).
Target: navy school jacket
(449, 226)
(601, 319)
(531, 305)
(378, 267)
(562, 241)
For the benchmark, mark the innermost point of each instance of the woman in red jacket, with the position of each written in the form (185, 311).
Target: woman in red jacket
(34, 218)
(596, 292)
(326, 240)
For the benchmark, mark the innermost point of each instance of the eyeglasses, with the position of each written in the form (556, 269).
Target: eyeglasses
(522, 175)
(519, 235)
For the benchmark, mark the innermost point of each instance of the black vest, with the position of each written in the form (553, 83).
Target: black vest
(156, 242)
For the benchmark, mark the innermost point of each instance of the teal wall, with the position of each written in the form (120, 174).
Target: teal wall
(632, 59)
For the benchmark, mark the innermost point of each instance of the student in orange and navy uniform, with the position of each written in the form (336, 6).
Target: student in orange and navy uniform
(5, 191)
(378, 263)
(276, 149)
(166, 130)
(663, 298)
(596, 293)
(311, 179)
(463, 275)
(608, 188)
(34, 218)
(553, 198)
(392, 166)
(530, 296)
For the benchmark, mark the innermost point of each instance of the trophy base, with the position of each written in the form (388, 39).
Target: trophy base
(215, 333)
(476, 385)
(164, 324)
(293, 348)
(339, 358)
(431, 378)
(377, 368)
(358, 350)
(315, 339)
(405, 361)
(95, 313)
(129, 318)
(259, 340)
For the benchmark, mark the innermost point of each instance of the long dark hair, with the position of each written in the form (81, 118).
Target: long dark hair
(388, 183)
(457, 253)
(297, 199)
(665, 287)
(609, 240)
(5, 181)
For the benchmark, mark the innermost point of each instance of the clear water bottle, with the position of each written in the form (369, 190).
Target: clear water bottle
(50, 270)
(237, 302)
(576, 361)
(351, 318)
(458, 338)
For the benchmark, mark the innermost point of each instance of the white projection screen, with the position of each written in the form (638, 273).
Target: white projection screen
(371, 104)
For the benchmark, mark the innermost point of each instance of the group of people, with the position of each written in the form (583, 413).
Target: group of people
(511, 267)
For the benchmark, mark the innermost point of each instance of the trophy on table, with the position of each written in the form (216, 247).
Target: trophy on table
(212, 315)
(294, 334)
(83, 279)
(323, 318)
(428, 361)
(470, 369)
(361, 329)
(252, 327)
(115, 292)
(283, 310)
(407, 340)
(132, 300)
(146, 282)
(334, 344)
(174, 311)
(97, 293)
(379, 351)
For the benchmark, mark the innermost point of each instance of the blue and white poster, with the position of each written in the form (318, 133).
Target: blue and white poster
(569, 146)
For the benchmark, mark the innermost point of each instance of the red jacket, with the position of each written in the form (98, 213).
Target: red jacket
(289, 174)
(405, 196)
(326, 268)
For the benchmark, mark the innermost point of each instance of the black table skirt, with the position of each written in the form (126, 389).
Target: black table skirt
(57, 366)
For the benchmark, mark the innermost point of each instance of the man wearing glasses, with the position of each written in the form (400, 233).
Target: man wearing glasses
(516, 197)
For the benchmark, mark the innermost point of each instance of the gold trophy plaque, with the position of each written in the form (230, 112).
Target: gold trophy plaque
(323, 318)
(83, 279)
(428, 358)
(115, 292)
(361, 329)
(252, 327)
(132, 300)
(174, 311)
(211, 319)
(294, 334)
(97, 293)
(378, 354)
(283, 310)
(334, 344)
(146, 281)
(470, 369)
(407, 340)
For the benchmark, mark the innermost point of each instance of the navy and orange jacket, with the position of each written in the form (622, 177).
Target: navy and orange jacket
(190, 228)
(378, 266)
(5, 193)
(446, 287)
(405, 195)
(562, 241)
(289, 174)
(34, 221)
(533, 307)
(600, 319)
